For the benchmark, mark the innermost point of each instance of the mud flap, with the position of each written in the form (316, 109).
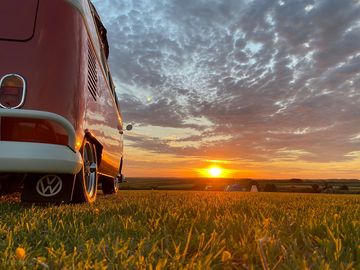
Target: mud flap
(48, 188)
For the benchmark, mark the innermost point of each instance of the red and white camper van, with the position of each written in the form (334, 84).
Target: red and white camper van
(61, 130)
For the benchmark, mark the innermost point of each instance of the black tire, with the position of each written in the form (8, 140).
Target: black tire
(85, 188)
(109, 185)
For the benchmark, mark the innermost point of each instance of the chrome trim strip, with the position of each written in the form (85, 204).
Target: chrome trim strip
(23, 93)
(79, 4)
(33, 114)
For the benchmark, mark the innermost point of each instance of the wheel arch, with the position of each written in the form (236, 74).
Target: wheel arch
(98, 146)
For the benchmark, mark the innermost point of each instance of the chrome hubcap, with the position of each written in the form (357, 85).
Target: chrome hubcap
(90, 170)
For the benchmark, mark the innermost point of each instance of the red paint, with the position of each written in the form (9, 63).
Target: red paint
(55, 65)
(17, 19)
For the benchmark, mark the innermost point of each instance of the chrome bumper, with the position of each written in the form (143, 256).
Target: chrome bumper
(40, 157)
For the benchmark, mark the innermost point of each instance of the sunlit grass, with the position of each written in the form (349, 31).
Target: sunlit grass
(193, 230)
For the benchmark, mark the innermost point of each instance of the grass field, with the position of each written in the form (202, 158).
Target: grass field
(185, 230)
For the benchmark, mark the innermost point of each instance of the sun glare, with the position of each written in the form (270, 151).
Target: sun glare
(215, 171)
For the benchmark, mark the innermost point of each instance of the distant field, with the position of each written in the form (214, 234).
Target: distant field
(290, 185)
(185, 229)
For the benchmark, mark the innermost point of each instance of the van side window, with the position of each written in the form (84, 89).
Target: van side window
(102, 37)
(101, 31)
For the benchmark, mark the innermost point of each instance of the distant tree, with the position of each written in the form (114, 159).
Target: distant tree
(270, 188)
(343, 187)
(315, 188)
(328, 186)
(296, 180)
(199, 187)
(244, 182)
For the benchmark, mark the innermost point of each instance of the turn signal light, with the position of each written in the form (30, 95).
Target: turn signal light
(12, 91)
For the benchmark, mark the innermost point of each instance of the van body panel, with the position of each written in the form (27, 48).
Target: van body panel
(55, 65)
(17, 19)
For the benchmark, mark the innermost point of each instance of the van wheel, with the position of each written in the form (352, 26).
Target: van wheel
(110, 185)
(86, 180)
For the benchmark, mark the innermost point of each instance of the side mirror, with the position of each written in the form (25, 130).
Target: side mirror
(129, 127)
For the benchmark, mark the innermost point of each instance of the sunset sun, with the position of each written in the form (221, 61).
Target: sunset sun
(215, 171)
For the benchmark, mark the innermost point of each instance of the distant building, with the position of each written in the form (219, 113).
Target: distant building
(236, 187)
(254, 188)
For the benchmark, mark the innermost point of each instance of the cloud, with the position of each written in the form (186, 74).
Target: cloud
(256, 79)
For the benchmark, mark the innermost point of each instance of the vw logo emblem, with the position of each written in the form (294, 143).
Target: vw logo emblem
(49, 185)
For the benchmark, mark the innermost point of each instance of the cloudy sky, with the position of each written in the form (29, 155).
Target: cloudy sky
(262, 88)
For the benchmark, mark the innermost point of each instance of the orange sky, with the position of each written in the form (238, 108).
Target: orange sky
(139, 163)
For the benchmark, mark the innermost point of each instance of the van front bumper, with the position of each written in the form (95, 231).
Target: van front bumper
(28, 157)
